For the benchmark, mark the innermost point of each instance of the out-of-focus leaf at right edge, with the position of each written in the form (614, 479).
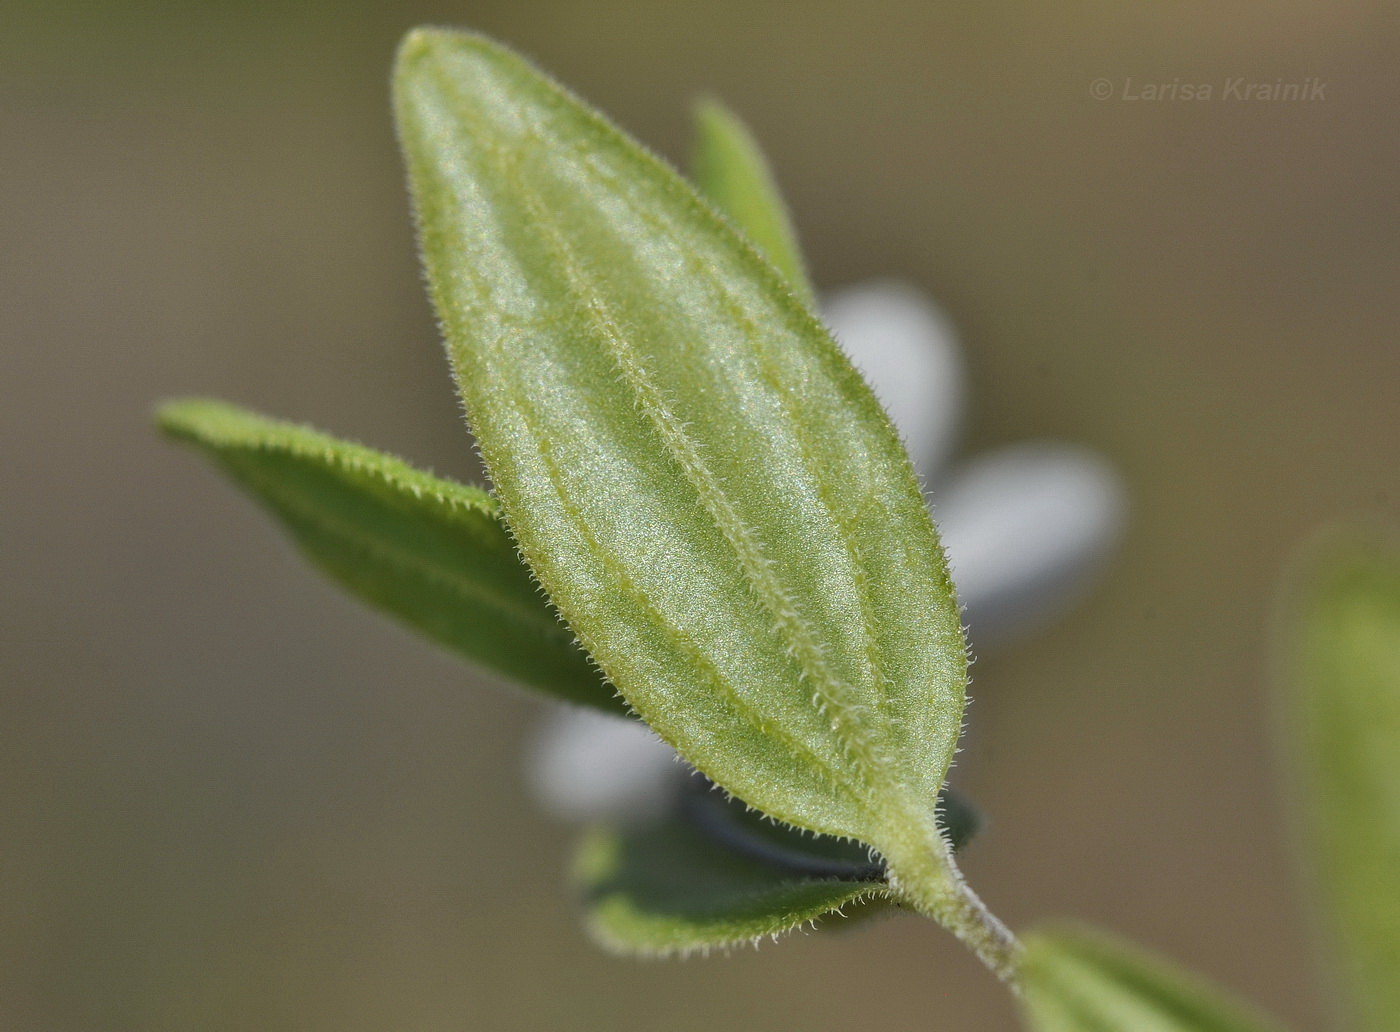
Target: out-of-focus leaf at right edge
(706, 488)
(714, 874)
(730, 170)
(1081, 981)
(1342, 643)
(429, 551)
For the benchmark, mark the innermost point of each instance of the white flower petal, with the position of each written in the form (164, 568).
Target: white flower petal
(908, 352)
(1026, 528)
(584, 766)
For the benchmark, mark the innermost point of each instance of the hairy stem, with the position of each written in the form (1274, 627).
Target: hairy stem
(928, 880)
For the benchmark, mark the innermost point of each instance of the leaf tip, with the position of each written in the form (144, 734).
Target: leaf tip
(708, 110)
(187, 418)
(425, 44)
(422, 42)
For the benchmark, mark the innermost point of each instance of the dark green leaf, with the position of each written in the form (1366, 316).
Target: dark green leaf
(730, 170)
(715, 873)
(1081, 981)
(744, 830)
(670, 887)
(428, 551)
(1344, 640)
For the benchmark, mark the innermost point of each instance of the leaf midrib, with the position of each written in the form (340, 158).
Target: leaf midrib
(617, 572)
(831, 692)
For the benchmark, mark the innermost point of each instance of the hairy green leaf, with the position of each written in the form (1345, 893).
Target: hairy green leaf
(428, 551)
(730, 170)
(1345, 722)
(672, 887)
(708, 491)
(1081, 981)
(715, 873)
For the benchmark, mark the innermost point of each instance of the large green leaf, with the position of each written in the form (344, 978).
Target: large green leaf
(1081, 981)
(714, 873)
(1345, 709)
(731, 171)
(430, 552)
(708, 491)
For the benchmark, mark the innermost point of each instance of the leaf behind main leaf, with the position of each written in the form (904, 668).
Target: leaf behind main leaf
(714, 873)
(429, 551)
(706, 488)
(1082, 981)
(1344, 709)
(667, 887)
(730, 170)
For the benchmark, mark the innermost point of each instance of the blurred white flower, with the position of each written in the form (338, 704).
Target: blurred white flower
(908, 352)
(1026, 528)
(587, 765)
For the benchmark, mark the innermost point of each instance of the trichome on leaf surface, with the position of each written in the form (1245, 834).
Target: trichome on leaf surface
(730, 539)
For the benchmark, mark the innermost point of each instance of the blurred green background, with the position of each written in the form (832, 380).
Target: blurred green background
(232, 799)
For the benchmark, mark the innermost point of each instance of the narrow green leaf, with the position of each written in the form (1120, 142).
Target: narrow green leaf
(706, 488)
(1345, 722)
(1081, 981)
(730, 170)
(670, 887)
(428, 551)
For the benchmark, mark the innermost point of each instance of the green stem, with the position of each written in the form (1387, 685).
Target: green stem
(928, 880)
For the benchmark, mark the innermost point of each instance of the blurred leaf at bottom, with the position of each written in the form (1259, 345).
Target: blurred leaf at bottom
(1081, 981)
